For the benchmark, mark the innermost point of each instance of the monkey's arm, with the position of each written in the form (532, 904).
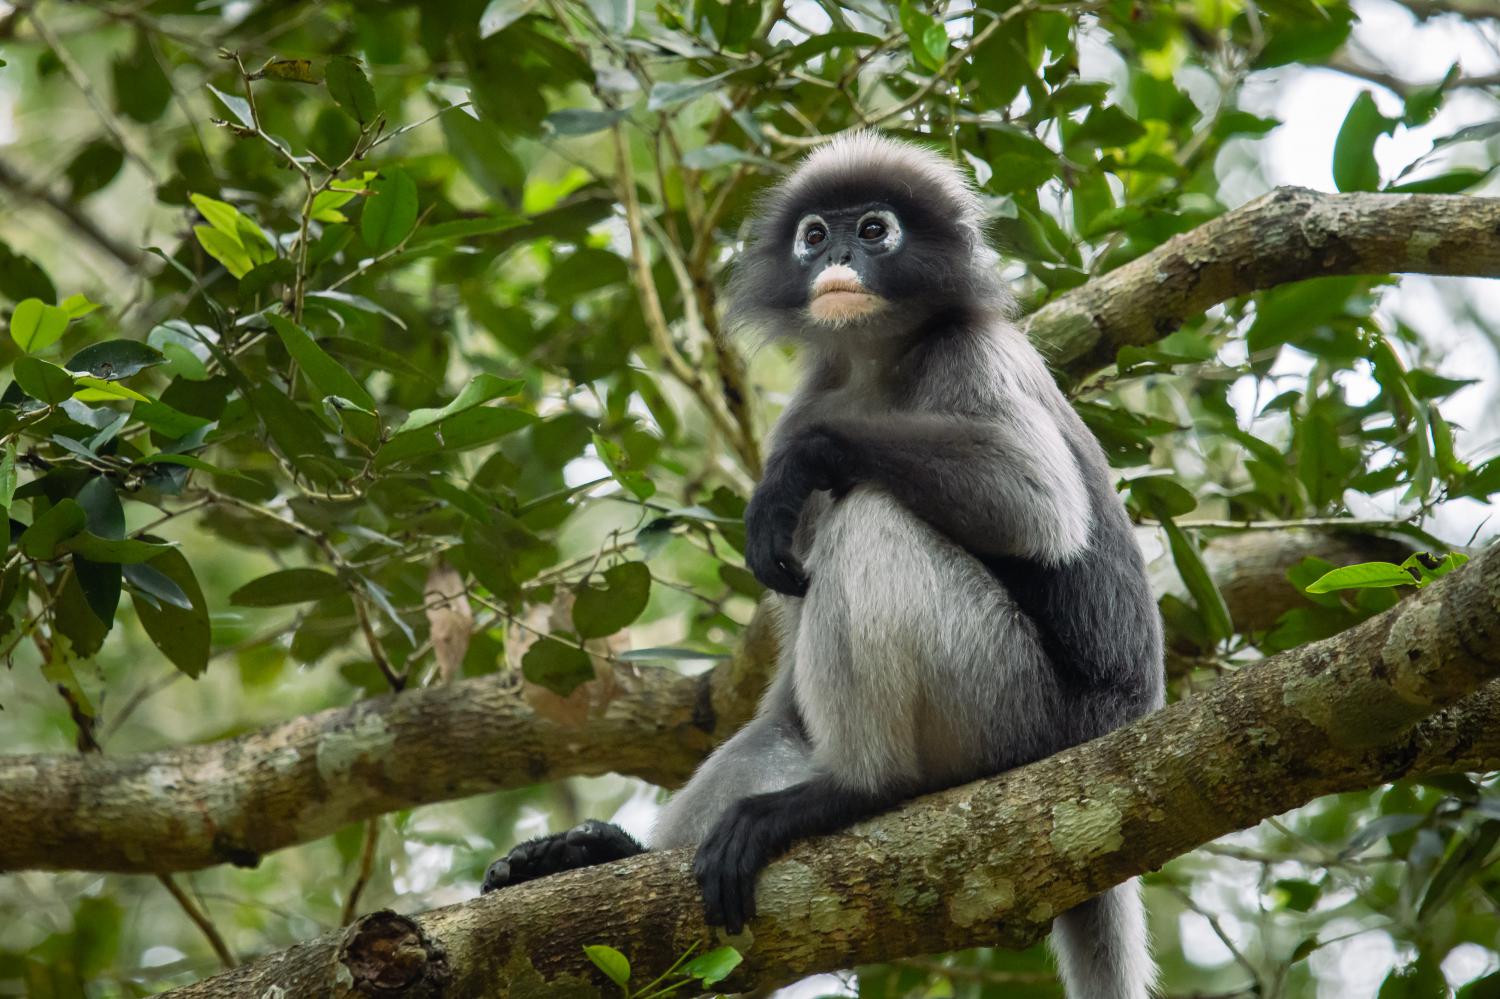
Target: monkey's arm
(1002, 485)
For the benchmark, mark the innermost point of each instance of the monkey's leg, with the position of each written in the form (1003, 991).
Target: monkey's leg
(767, 754)
(584, 845)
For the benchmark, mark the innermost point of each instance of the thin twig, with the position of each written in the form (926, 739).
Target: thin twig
(200, 918)
(366, 866)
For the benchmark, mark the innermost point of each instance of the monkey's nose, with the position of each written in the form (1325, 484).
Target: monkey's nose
(842, 255)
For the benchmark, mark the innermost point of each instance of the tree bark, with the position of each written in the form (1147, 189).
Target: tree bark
(1406, 693)
(1291, 234)
(229, 802)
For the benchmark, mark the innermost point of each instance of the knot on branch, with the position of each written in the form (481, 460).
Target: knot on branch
(387, 954)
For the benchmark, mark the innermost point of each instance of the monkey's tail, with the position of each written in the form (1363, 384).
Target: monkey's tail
(1102, 949)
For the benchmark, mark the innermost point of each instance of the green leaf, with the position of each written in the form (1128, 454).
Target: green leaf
(35, 325)
(77, 306)
(113, 551)
(473, 428)
(480, 390)
(1451, 182)
(1429, 568)
(558, 667)
(390, 212)
(1354, 166)
(156, 585)
(350, 89)
(924, 35)
(501, 14)
(43, 380)
(618, 463)
(142, 91)
(225, 249)
(237, 106)
(714, 966)
(183, 635)
(287, 586)
(448, 232)
(1163, 495)
(327, 375)
(294, 430)
(115, 359)
(1362, 576)
(8, 476)
(610, 961)
(582, 121)
(95, 165)
(375, 356)
(58, 523)
(599, 612)
(1200, 584)
(669, 94)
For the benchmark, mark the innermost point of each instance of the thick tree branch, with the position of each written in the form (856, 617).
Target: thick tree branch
(196, 806)
(992, 862)
(1290, 234)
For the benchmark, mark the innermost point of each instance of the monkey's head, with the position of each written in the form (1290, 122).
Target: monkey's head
(868, 235)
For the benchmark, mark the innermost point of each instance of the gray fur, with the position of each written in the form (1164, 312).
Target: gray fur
(914, 660)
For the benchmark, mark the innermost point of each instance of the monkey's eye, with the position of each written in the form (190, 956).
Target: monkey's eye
(872, 229)
(814, 235)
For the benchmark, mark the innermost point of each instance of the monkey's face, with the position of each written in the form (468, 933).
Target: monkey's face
(844, 254)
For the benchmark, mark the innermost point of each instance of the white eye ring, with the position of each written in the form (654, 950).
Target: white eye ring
(892, 237)
(800, 247)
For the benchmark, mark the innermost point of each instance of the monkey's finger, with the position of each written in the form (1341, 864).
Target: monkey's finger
(495, 877)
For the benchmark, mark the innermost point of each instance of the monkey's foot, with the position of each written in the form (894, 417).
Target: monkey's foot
(584, 845)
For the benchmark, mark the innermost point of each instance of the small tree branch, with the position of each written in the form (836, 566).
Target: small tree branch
(1407, 693)
(1288, 235)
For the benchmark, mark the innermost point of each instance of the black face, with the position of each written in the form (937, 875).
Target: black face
(855, 250)
(858, 237)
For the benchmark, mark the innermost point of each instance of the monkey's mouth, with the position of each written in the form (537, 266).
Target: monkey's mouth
(841, 297)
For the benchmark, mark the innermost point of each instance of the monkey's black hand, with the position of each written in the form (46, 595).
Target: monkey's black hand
(582, 846)
(810, 461)
(744, 840)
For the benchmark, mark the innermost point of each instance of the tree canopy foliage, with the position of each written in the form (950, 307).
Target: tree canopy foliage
(369, 347)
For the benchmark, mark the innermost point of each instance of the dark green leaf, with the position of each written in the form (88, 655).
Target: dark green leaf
(1354, 166)
(599, 612)
(558, 667)
(113, 360)
(390, 212)
(43, 380)
(95, 165)
(480, 390)
(60, 522)
(350, 89)
(182, 634)
(582, 121)
(287, 586)
(327, 375)
(472, 428)
(1199, 583)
